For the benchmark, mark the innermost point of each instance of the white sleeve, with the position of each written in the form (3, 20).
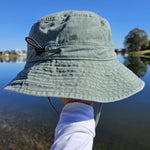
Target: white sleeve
(76, 128)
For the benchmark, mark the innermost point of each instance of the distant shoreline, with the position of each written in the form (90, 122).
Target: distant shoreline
(12, 58)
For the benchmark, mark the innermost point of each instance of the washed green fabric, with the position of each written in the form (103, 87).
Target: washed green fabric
(86, 66)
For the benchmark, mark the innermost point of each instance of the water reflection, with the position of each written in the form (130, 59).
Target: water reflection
(139, 65)
(125, 124)
(28, 122)
(17, 59)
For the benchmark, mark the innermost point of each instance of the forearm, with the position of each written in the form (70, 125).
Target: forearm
(76, 128)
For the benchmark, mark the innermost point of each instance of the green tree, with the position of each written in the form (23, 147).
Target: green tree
(136, 39)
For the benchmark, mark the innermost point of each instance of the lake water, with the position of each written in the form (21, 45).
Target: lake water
(28, 122)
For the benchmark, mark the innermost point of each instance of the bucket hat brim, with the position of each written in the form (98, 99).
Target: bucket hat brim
(101, 81)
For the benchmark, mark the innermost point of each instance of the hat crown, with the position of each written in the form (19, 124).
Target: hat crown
(79, 35)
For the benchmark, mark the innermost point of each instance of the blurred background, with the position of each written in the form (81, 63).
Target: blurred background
(28, 122)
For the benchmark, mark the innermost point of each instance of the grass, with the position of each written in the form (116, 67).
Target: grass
(143, 53)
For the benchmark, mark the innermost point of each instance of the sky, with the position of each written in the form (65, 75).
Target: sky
(17, 17)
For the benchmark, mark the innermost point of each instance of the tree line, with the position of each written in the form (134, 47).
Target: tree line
(136, 40)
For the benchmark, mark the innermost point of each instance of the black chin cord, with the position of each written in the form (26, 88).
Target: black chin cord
(50, 102)
(98, 114)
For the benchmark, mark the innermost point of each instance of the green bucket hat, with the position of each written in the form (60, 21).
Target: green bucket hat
(71, 54)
